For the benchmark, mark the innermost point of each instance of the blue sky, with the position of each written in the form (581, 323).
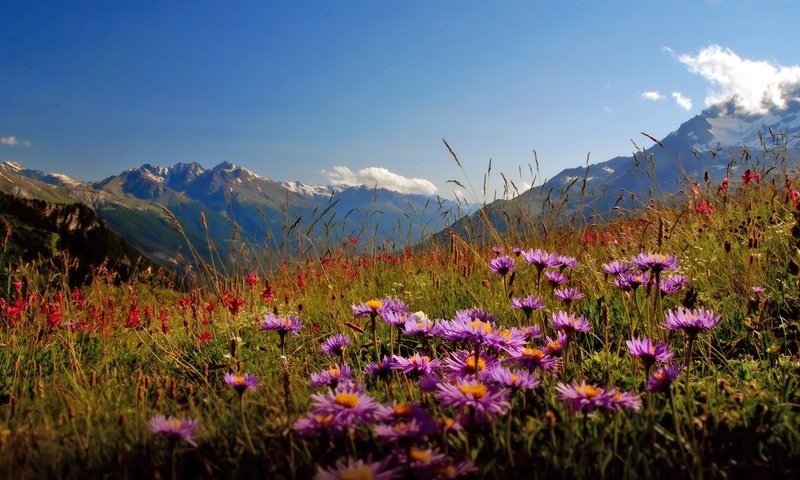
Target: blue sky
(323, 90)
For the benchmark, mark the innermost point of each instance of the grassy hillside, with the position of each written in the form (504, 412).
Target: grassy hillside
(482, 394)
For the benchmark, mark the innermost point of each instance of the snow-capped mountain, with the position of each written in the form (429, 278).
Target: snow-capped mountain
(228, 202)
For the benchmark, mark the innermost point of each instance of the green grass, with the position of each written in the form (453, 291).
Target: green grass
(76, 403)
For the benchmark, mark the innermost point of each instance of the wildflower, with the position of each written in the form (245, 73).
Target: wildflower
(663, 378)
(283, 324)
(367, 309)
(749, 176)
(497, 250)
(568, 295)
(336, 344)
(398, 319)
(569, 323)
(555, 346)
(513, 379)
(673, 284)
(358, 469)
(704, 207)
(380, 368)
(632, 280)
(655, 262)
(555, 278)
(463, 363)
(415, 364)
(332, 376)
(691, 321)
(516, 251)
(540, 258)
(580, 397)
(348, 404)
(723, 187)
(204, 337)
(174, 428)
(252, 280)
(647, 352)
(416, 325)
(502, 265)
(532, 359)
(404, 421)
(794, 196)
(623, 400)
(617, 268)
(484, 399)
(562, 261)
(241, 382)
(314, 424)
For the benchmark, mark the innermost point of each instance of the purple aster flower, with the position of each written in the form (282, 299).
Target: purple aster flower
(497, 250)
(617, 267)
(517, 251)
(174, 428)
(532, 359)
(314, 425)
(462, 364)
(380, 368)
(580, 397)
(513, 379)
(415, 364)
(392, 305)
(283, 324)
(568, 295)
(332, 376)
(465, 329)
(367, 309)
(673, 284)
(569, 323)
(502, 265)
(555, 278)
(398, 319)
(528, 332)
(241, 382)
(348, 404)
(539, 258)
(655, 262)
(430, 463)
(691, 321)
(647, 352)
(663, 378)
(336, 344)
(484, 399)
(758, 290)
(430, 381)
(476, 314)
(405, 421)
(509, 340)
(632, 280)
(555, 346)
(562, 261)
(357, 469)
(527, 304)
(623, 400)
(419, 326)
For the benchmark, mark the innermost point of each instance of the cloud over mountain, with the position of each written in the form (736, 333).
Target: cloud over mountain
(14, 142)
(755, 85)
(380, 177)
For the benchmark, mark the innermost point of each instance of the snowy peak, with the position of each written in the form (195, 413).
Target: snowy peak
(308, 190)
(58, 179)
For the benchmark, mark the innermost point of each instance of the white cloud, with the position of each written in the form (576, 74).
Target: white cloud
(683, 101)
(380, 177)
(755, 85)
(608, 109)
(652, 95)
(14, 142)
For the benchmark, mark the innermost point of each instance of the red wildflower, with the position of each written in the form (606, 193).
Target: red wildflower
(204, 337)
(252, 280)
(723, 187)
(704, 207)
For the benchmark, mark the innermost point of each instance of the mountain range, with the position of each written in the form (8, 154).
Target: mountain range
(722, 141)
(184, 207)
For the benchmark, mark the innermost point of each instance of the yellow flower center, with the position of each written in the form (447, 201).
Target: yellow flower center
(533, 353)
(238, 379)
(419, 455)
(477, 390)
(514, 378)
(346, 399)
(374, 304)
(324, 420)
(661, 376)
(588, 391)
(334, 372)
(470, 364)
(447, 471)
(357, 473)
(402, 410)
(479, 325)
(173, 424)
(418, 359)
(652, 350)
(554, 346)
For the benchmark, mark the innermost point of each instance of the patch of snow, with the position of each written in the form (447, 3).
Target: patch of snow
(15, 166)
(607, 169)
(307, 190)
(64, 178)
